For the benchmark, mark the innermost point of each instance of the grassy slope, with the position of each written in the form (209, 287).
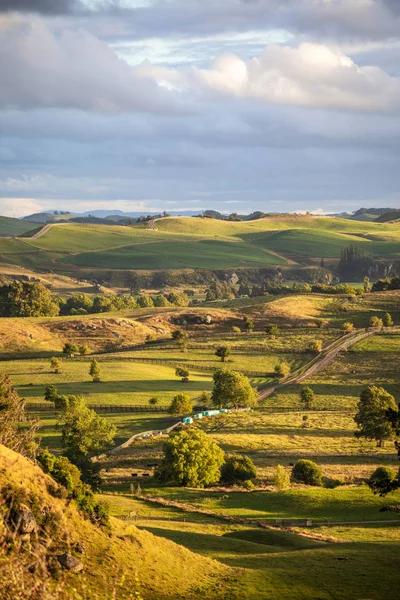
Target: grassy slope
(195, 243)
(124, 552)
(279, 564)
(13, 227)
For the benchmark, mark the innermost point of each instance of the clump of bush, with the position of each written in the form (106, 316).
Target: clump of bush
(382, 481)
(69, 477)
(307, 472)
(238, 469)
(281, 478)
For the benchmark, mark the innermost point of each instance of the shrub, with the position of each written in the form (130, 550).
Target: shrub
(307, 396)
(347, 327)
(223, 352)
(94, 371)
(70, 349)
(375, 322)
(272, 329)
(315, 346)
(181, 405)
(387, 320)
(282, 369)
(56, 365)
(183, 373)
(237, 469)
(281, 478)
(382, 480)
(153, 401)
(306, 471)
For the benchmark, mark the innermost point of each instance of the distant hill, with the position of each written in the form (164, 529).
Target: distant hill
(10, 227)
(392, 215)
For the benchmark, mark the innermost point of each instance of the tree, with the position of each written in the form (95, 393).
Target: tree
(84, 434)
(145, 301)
(306, 471)
(272, 329)
(94, 371)
(177, 299)
(204, 399)
(23, 299)
(153, 401)
(84, 350)
(371, 418)
(183, 373)
(232, 389)
(248, 325)
(307, 396)
(181, 405)
(236, 329)
(181, 338)
(367, 284)
(70, 349)
(375, 322)
(282, 369)
(191, 458)
(161, 301)
(348, 327)
(315, 346)
(383, 481)
(387, 320)
(17, 430)
(281, 478)
(56, 365)
(237, 468)
(223, 352)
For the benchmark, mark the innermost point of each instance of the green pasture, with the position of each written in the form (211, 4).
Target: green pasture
(201, 243)
(340, 384)
(122, 382)
(239, 360)
(179, 254)
(13, 227)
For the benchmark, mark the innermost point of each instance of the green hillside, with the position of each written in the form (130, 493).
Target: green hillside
(180, 243)
(10, 227)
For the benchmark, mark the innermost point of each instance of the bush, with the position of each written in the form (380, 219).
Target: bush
(307, 396)
(281, 478)
(306, 471)
(237, 469)
(315, 346)
(347, 327)
(382, 480)
(181, 405)
(282, 369)
(375, 322)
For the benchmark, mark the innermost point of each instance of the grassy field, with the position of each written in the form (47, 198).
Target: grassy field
(12, 227)
(122, 382)
(194, 243)
(340, 384)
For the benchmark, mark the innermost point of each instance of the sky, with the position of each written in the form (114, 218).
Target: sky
(232, 105)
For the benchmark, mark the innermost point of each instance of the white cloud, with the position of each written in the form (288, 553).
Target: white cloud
(312, 75)
(19, 207)
(73, 70)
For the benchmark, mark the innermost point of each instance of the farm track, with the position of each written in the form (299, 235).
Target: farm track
(325, 358)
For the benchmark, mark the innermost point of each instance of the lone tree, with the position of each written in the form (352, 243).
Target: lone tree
(282, 369)
(367, 284)
(248, 325)
(387, 320)
(237, 468)
(94, 371)
(182, 373)
(348, 327)
(181, 338)
(306, 471)
(315, 346)
(191, 458)
(371, 417)
(272, 329)
(56, 365)
(84, 434)
(153, 401)
(70, 349)
(232, 389)
(281, 478)
(12, 414)
(375, 322)
(181, 405)
(307, 396)
(223, 352)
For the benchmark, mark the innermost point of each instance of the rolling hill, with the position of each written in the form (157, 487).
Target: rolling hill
(10, 227)
(193, 243)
